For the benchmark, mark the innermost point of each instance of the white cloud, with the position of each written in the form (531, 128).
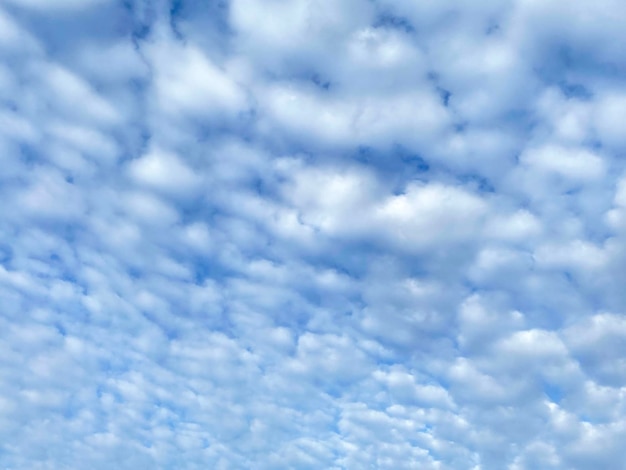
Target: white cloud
(314, 234)
(13, 37)
(609, 111)
(67, 90)
(431, 214)
(414, 117)
(187, 83)
(164, 171)
(572, 164)
(352, 203)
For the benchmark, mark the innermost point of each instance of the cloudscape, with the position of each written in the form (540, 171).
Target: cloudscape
(312, 234)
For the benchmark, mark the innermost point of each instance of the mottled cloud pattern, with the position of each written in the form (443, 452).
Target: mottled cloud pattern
(312, 234)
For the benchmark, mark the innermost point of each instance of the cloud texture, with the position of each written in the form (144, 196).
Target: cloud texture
(325, 234)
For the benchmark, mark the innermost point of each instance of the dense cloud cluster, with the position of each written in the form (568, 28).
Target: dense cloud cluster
(325, 234)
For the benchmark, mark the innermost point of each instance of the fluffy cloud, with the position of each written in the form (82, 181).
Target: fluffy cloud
(312, 234)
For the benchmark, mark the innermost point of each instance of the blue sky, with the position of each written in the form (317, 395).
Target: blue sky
(312, 234)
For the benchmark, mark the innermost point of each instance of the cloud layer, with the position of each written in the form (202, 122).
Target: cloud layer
(336, 234)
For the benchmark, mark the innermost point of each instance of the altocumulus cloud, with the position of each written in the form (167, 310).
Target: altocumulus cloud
(312, 234)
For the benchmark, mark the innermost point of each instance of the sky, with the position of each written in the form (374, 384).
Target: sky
(312, 234)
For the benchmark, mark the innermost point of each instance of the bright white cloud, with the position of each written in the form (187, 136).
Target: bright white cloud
(186, 82)
(164, 171)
